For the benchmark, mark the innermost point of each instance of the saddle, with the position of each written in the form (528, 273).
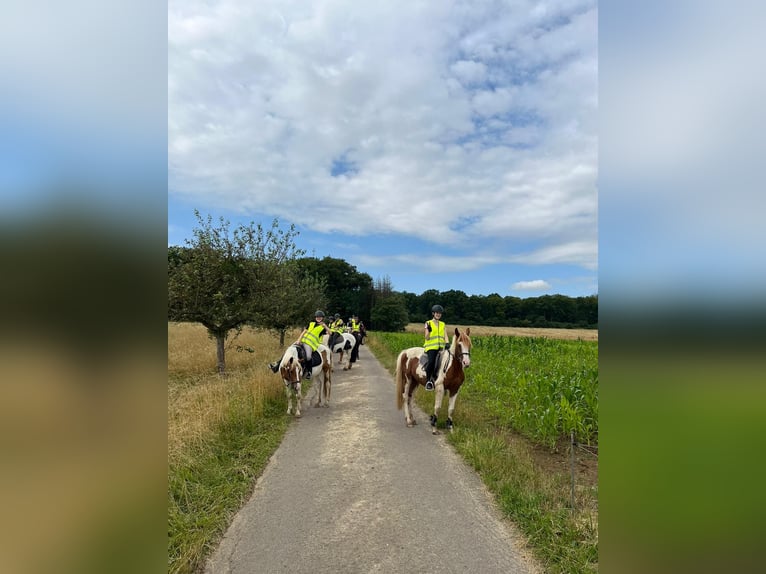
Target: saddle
(316, 358)
(437, 363)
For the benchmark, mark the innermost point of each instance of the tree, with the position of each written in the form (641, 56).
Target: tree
(225, 280)
(348, 291)
(293, 302)
(389, 313)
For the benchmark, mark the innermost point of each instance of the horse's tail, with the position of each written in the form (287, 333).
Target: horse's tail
(401, 366)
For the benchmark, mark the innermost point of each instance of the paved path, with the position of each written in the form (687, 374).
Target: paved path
(351, 489)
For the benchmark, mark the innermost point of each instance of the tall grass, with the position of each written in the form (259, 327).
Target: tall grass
(221, 433)
(521, 396)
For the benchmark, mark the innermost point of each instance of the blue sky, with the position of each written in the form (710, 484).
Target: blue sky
(444, 145)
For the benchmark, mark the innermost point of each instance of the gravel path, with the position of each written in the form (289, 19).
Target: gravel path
(351, 489)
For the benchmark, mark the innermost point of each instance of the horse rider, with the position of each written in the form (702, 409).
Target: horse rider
(435, 332)
(336, 326)
(309, 338)
(354, 324)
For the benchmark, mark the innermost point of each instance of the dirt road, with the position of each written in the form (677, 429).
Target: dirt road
(351, 489)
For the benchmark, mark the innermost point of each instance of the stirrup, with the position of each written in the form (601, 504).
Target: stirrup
(429, 385)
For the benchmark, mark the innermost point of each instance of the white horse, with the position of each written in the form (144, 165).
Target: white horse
(291, 370)
(342, 343)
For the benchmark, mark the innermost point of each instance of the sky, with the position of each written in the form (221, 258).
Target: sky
(442, 145)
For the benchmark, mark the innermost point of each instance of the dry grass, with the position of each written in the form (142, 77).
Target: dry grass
(198, 397)
(483, 331)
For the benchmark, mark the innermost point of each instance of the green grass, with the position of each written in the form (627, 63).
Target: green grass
(210, 482)
(499, 439)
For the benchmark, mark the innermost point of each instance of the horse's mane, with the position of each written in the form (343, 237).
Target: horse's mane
(290, 352)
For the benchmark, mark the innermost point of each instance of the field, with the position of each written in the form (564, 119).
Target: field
(481, 331)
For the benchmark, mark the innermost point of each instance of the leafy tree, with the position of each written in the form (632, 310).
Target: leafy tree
(348, 291)
(227, 279)
(389, 313)
(293, 302)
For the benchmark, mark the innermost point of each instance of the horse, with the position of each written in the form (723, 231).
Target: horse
(291, 370)
(410, 372)
(340, 343)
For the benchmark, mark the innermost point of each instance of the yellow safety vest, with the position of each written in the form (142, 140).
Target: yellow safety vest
(354, 325)
(311, 337)
(337, 326)
(436, 339)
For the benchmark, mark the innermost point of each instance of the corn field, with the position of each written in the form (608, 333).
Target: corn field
(543, 388)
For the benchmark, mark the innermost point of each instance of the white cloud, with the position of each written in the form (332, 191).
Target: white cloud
(265, 98)
(536, 285)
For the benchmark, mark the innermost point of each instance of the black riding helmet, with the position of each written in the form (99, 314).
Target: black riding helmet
(319, 314)
(437, 309)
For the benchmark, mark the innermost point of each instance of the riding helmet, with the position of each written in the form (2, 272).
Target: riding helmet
(437, 309)
(319, 314)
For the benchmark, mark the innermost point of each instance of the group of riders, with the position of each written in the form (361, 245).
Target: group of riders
(311, 336)
(435, 333)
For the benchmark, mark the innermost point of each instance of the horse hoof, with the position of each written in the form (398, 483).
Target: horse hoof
(434, 431)
(410, 425)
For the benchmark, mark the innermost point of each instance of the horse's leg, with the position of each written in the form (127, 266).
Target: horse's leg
(439, 395)
(289, 392)
(451, 409)
(298, 399)
(408, 387)
(316, 393)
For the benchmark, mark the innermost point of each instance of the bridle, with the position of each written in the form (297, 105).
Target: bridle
(459, 352)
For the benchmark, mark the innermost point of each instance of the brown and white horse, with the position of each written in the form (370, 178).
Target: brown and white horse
(410, 372)
(291, 371)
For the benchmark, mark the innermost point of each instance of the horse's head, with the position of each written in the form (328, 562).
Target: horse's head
(290, 367)
(462, 346)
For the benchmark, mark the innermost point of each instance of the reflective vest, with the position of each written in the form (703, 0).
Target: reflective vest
(354, 325)
(436, 338)
(311, 337)
(337, 326)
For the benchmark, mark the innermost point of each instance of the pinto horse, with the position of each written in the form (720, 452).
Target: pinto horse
(342, 343)
(291, 370)
(410, 372)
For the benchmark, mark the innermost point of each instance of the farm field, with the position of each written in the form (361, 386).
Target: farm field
(481, 330)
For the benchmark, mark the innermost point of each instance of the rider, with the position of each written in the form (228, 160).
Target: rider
(355, 323)
(310, 338)
(436, 339)
(336, 327)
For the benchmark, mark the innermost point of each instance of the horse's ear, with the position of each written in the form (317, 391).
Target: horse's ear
(457, 333)
(468, 331)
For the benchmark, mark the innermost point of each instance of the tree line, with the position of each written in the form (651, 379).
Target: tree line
(227, 278)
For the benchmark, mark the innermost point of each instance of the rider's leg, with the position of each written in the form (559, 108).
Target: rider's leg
(307, 368)
(430, 369)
